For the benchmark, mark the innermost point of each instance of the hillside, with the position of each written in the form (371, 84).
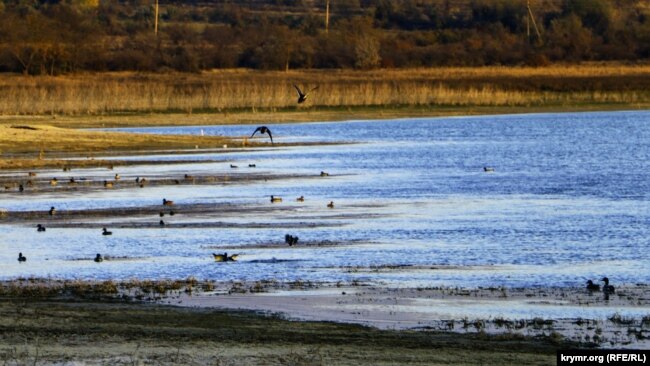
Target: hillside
(52, 37)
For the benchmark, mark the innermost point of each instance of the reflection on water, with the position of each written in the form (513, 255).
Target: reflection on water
(568, 201)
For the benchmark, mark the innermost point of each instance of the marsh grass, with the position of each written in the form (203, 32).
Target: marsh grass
(235, 91)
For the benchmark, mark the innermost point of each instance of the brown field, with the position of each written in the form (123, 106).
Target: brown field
(236, 91)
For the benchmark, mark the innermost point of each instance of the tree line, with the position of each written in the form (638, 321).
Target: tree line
(62, 36)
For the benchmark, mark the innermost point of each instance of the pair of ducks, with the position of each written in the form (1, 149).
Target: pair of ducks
(607, 288)
(275, 199)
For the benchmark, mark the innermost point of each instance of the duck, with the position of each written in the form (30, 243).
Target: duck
(72, 181)
(167, 203)
(40, 228)
(233, 166)
(301, 199)
(290, 239)
(161, 223)
(488, 169)
(276, 199)
(331, 204)
(187, 176)
(108, 184)
(31, 174)
(324, 174)
(21, 257)
(21, 188)
(607, 288)
(98, 258)
(54, 181)
(263, 130)
(52, 211)
(224, 257)
(106, 232)
(252, 165)
(302, 96)
(591, 286)
(161, 214)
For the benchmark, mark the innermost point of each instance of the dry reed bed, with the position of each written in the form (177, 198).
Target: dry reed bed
(226, 90)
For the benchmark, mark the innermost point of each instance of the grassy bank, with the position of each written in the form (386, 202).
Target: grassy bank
(48, 331)
(236, 91)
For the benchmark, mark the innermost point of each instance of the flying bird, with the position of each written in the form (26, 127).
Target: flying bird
(224, 257)
(263, 130)
(302, 97)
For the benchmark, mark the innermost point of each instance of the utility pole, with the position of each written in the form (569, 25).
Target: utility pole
(155, 22)
(327, 16)
(529, 18)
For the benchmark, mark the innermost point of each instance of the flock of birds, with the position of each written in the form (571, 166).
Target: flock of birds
(289, 239)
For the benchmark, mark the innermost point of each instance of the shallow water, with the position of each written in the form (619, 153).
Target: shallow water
(568, 201)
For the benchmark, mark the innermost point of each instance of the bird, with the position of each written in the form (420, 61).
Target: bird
(607, 288)
(324, 174)
(263, 130)
(52, 211)
(53, 181)
(331, 204)
(98, 258)
(161, 214)
(187, 176)
(224, 257)
(31, 174)
(137, 179)
(290, 239)
(251, 165)
(21, 257)
(233, 166)
(276, 199)
(302, 97)
(161, 223)
(167, 203)
(117, 177)
(171, 213)
(106, 232)
(72, 181)
(108, 184)
(488, 169)
(591, 286)
(301, 199)
(21, 188)
(40, 228)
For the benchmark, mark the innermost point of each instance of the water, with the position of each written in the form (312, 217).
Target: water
(568, 201)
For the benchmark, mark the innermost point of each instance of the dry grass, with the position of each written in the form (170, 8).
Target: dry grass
(237, 90)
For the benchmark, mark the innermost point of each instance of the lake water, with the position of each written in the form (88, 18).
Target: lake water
(569, 200)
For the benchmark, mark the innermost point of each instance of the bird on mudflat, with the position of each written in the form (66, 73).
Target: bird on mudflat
(607, 288)
(224, 257)
(263, 130)
(52, 211)
(591, 286)
(21, 257)
(302, 96)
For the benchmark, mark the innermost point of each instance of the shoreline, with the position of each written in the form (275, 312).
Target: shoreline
(42, 142)
(382, 308)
